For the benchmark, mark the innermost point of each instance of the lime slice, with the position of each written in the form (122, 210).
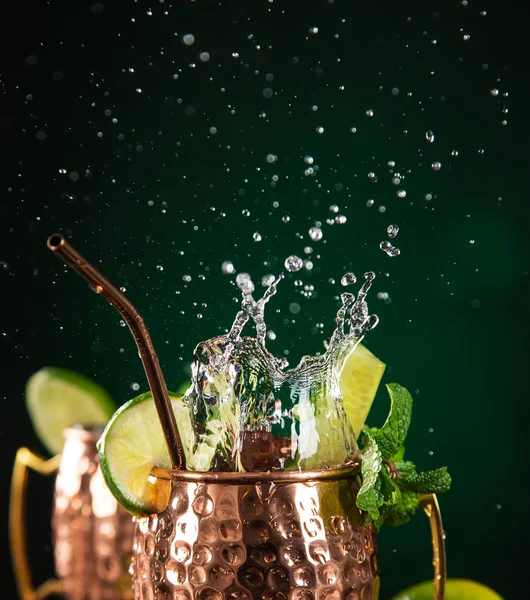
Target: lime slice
(133, 443)
(456, 589)
(359, 381)
(57, 399)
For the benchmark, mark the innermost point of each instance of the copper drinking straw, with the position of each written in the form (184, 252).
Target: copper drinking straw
(134, 320)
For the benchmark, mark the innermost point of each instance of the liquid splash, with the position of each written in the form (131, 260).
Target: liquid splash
(264, 416)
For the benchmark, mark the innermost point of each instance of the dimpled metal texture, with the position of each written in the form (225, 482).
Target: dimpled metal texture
(284, 541)
(92, 534)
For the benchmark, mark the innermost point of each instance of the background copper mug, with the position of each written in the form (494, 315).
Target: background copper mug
(92, 534)
(267, 536)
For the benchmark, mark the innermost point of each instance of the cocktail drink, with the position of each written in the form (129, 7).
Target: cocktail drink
(262, 491)
(92, 533)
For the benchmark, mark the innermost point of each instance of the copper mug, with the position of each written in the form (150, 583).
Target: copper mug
(92, 535)
(266, 536)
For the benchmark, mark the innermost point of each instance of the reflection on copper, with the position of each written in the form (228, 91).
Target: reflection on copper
(432, 510)
(277, 536)
(256, 476)
(294, 534)
(92, 534)
(99, 284)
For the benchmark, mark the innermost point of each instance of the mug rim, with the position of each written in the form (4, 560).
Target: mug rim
(258, 477)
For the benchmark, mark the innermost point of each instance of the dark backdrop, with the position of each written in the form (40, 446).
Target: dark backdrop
(146, 155)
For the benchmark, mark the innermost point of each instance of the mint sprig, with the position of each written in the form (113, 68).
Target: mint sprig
(370, 497)
(391, 437)
(391, 486)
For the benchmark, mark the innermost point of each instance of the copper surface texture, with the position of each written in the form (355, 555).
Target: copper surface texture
(92, 534)
(290, 540)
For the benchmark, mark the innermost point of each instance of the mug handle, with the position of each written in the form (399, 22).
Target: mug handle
(25, 459)
(431, 507)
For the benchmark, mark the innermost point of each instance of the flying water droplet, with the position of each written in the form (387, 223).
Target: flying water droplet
(257, 237)
(392, 231)
(315, 233)
(244, 283)
(348, 279)
(267, 280)
(293, 263)
(429, 136)
(228, 267)
(388, 249)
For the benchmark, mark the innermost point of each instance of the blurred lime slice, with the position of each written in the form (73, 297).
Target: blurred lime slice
(456, 589)
(58, 398)
(133, 443)
(359, 381)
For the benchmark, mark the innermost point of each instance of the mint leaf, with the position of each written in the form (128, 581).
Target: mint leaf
(391, 486)
(406, 469)
(426, 482)
(400, 454)
(370, 497)
(391, 437)
(400, 513)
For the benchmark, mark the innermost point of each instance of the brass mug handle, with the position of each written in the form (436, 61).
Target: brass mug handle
(25, 459)
(432, 510)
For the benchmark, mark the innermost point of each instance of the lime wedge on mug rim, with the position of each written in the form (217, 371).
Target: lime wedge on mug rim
(133, 443)
(58, 398)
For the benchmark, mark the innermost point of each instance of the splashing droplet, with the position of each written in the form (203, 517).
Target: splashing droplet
(315, 233)
(429, 136)
(348, 279)
(293, 263)
(267, 280)
(228, 267)
(244, 283)
(388, 249)
(257, 237)
(392, 231)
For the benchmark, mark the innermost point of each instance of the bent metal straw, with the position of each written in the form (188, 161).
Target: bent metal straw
(99, 284)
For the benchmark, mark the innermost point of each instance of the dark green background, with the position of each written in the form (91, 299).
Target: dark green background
(456, 329)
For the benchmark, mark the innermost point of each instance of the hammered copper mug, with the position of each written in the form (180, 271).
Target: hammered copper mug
(266, 536)
(92, 535)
